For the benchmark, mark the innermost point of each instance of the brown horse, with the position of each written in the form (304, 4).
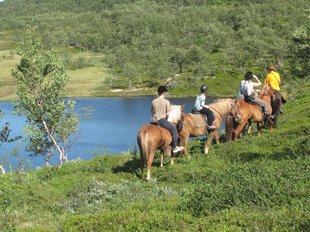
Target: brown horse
(151, 138)
(195, 124)
(243, 113)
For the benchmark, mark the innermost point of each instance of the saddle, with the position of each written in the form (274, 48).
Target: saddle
(250, 100)
(155, 123)
(195, 111)
(178, 126)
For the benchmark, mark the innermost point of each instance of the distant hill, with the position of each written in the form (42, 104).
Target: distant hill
(146, 42)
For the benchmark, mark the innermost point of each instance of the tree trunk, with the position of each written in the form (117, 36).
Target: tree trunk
(2, 170)
(61, 154)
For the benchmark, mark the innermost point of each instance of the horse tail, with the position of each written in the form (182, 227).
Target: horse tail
(229, 126)
(142, 139)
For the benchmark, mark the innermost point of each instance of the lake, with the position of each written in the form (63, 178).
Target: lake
(111, 129)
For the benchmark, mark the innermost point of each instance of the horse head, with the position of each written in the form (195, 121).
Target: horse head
(222, 107)
(176, 114)
(235, 110)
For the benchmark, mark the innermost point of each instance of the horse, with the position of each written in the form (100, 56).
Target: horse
(151, 138)
(243, 113)
(276, 105)
(195, 124)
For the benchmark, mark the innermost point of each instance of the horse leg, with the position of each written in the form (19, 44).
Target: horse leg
(184, 140)
(208, 142)
(250, 128)
(229, 127)
(161, 158)
(270, 124)
(149, 162)
(259, 129)
(275, 121)
(168, 152)
(216, 136)
(239, 128)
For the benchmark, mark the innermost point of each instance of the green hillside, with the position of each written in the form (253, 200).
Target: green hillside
(138, 44)
(253, 184)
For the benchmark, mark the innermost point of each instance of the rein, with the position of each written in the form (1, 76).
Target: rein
(216, 111)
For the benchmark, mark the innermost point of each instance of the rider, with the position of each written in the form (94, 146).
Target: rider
(160, 108)
(203, 108)
(274, 80)
(250, 95)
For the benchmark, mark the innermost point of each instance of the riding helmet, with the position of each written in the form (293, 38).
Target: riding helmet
(162, 89)
(204, 88)
(248, 76)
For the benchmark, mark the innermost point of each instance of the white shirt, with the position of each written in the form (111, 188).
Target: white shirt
(247, 87)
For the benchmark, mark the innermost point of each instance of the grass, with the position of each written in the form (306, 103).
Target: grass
(84, 82)
(252, 184)
(90, 77)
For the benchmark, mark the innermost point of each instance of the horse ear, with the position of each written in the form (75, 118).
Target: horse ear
(183, 107)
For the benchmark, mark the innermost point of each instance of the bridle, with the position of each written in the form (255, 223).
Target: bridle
(179, 125)
(235, 111)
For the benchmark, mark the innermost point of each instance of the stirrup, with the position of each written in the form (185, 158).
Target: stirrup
(212, 127)
(269, 116)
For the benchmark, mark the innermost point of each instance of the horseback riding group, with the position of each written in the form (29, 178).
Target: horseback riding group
(169, 124)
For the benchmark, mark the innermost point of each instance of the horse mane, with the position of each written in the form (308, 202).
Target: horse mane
(222, 106)
(175, 113)
(223, 99)
(266, 90)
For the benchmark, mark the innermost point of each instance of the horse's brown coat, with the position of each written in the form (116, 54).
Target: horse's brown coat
(220, 109)
(244, 112)
(151, 138)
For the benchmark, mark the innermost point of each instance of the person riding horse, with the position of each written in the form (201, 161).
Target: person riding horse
(160, 108)
(202, 107)
(274, 80)
(250, 95)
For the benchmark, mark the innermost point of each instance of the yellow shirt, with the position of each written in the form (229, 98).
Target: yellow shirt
(274, 80)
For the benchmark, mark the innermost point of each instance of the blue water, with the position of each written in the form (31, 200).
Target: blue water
(111, 129)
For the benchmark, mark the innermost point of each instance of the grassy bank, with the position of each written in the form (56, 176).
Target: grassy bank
(86, 76)
(90, 77)
(253, 184)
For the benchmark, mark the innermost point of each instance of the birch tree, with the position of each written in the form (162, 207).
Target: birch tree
(41, 80)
